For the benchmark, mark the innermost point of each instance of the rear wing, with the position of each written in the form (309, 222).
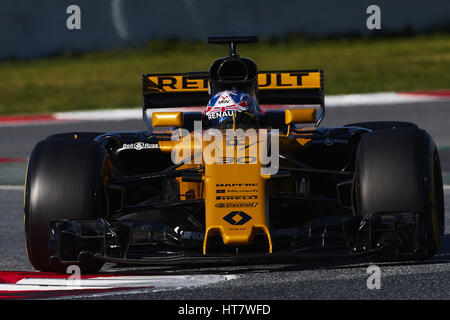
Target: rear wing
(294, 87)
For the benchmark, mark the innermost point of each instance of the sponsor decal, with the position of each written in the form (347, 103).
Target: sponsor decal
(236, 184)
(174, 83)
(140, 146)
(236, 191)
(240, 190)
(220, 114)
(286, 232)
(192, 235)
(237, 218)
(252, 197)
(266, 80)
(225, 99)
(288, 80)
(236, 204)
(329, 141)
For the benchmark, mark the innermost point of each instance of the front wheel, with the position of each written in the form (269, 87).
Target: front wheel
(65, 180)
(397, 171)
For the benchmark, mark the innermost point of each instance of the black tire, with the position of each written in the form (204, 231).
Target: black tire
(65, 180)
(382, 125)
(399, 171)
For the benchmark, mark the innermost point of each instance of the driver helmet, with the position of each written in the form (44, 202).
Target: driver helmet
(231, 109)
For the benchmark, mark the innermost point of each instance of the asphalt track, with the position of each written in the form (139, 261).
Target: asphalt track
(319, 280)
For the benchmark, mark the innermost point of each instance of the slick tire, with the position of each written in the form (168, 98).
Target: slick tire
(65, 180)
(398, 170)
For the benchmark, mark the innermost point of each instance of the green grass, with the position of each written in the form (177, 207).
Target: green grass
(112, 79)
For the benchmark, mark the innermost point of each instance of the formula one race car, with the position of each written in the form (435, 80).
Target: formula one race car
(250, 179)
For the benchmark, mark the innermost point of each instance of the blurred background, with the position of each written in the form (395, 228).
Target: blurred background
(47, 67)
(78, 56)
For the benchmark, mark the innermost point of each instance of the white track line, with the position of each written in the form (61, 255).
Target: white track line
(349, 100)
(106, 115)
(354, 100)
(135, 113)
(156, 283)
(8, 187)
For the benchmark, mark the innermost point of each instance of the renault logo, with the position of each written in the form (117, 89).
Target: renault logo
(232, 219)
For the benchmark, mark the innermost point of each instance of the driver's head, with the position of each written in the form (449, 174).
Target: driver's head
(231, 109)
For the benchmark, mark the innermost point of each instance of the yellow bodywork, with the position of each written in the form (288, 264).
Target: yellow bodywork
(232, 187)
(293, 116)
(235, 205)
(167, 119)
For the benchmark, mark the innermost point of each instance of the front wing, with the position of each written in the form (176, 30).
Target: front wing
(149, 243)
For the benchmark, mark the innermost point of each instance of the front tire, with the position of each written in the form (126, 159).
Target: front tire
(399, 170)
(65, 180)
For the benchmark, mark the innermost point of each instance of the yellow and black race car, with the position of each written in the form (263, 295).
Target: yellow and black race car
(252, 178)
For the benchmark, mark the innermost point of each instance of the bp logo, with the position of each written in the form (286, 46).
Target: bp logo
(237, 218)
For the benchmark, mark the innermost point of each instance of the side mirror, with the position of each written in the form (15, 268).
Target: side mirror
(296, 116)
(167, 119)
